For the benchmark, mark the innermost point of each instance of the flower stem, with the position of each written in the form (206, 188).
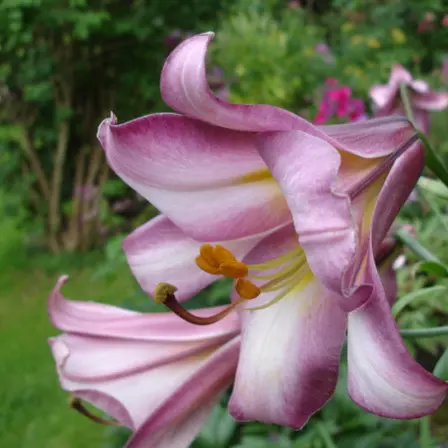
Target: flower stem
(326, 436)
(408, 240)
(425, 332)
(425, 432)
(407, 103)
(433, 161)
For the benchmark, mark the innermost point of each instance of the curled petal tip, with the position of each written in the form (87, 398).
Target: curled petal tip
(61, 280)
(103, 128)
(209, 34)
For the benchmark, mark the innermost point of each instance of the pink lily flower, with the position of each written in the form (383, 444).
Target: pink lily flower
(154, 373)
(387, 101)
(296, 214)
(338, 101)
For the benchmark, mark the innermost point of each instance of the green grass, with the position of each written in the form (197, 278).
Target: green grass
(33, 408)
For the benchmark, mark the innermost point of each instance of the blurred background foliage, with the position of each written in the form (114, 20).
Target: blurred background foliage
(65, 64)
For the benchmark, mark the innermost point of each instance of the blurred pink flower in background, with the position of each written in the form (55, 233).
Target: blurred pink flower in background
(338, 101)
(445, 20)
(444, 72)
(386, 97)
(323, 49)
(88, 196)
(427, 23)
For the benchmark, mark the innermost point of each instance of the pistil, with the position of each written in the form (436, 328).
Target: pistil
(164, 293)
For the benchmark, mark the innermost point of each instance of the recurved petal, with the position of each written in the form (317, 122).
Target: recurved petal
(159, 252)
(127, 385)
(137, 392)
(184, 88)
(385, 96)
(383, 376)
(211, 182)
(431, 100)
(289, 359)
(129, 373)
(100, 320)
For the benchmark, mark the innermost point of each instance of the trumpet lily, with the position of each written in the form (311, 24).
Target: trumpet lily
(153, 373)
(386, 97)
(295, 213)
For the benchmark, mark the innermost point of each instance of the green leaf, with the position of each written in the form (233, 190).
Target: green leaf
(409, 240)
(434, 332)
(441, 368)
(432, 160)
(402, 302)
(432, 268)
(218, 430)
(433, 186)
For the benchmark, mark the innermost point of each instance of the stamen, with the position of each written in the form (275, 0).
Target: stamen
(278, 261)
(282, 272)
(276, 299)
(246, 289)
(220, 261)
(76, 404)
(206, 251)
(203, 264)
(223, 255)
(164, 293)
(234, 269)
(289, 271)
(301, 278)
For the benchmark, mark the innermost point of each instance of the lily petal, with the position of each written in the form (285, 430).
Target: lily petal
(396, 189)
(383, 376)
(100, 320)
(431, 100)
(149, 383)
(306, 169)
(210, 182)
(184, 87)
(289, 359)
(384, 96)
(384, 259)
(372, 138)
(180, 418)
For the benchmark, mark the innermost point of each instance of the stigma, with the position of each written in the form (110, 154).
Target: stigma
(280, 275)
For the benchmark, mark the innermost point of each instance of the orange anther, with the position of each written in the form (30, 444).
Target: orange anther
(246, 289)
(233, 269)
(207, 254)
(205, 266)
(222, 255)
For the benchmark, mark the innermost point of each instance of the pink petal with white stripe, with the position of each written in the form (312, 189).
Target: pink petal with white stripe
(146, 371)
(290, 351)
(383, 376)
(210, 182)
